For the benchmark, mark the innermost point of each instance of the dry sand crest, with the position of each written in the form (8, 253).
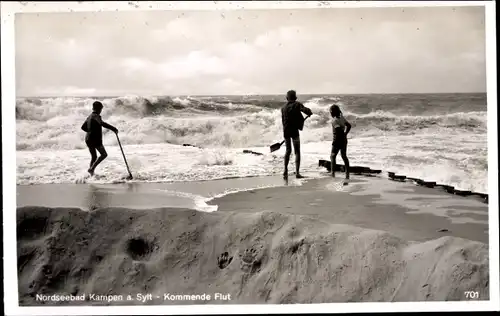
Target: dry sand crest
(262, 257)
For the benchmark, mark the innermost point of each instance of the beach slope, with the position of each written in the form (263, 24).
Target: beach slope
(247, 256)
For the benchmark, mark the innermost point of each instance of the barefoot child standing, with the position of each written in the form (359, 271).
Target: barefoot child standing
(341, 128)
(293, 122)
(93, 127)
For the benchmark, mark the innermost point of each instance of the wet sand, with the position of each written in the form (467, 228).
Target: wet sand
(408, 211)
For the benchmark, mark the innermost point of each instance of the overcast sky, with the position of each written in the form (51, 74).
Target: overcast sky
(335, 50)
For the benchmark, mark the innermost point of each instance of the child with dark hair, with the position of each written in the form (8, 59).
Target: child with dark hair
(93, 127)
(293, 122)
(340, 128)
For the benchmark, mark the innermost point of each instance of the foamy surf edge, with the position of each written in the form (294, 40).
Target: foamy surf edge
(201, 203)
(296, 182)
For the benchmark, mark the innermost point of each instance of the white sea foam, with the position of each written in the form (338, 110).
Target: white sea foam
(165, 163)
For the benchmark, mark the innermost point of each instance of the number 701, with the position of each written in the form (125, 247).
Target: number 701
(471, 294)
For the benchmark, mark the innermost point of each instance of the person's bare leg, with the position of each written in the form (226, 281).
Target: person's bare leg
(288, 152)
(296, 148)
(333, 160)
(343, 154)
(103, 156)
(93, 158)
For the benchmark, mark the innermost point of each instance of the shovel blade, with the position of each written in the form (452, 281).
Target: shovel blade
(275, 147)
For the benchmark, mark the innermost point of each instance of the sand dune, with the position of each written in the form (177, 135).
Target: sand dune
(271, 258)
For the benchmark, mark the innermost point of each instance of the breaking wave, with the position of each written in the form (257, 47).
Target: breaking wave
(53, 123)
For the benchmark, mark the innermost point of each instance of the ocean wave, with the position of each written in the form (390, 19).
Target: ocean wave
(40, 109)
(43, 109)
(387, 121)
(53, 123)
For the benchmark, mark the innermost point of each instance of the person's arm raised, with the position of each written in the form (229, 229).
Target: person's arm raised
(306, 110)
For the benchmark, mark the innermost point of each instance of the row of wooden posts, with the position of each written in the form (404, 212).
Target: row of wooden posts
(392, 176)
(396, 177)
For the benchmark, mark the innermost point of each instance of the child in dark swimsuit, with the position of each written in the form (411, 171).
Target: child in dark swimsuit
(93, 127)
(341, 128)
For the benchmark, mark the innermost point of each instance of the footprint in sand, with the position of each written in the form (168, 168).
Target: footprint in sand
(140, 249)
(251, 258)
(337, 185)
(223, 260)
